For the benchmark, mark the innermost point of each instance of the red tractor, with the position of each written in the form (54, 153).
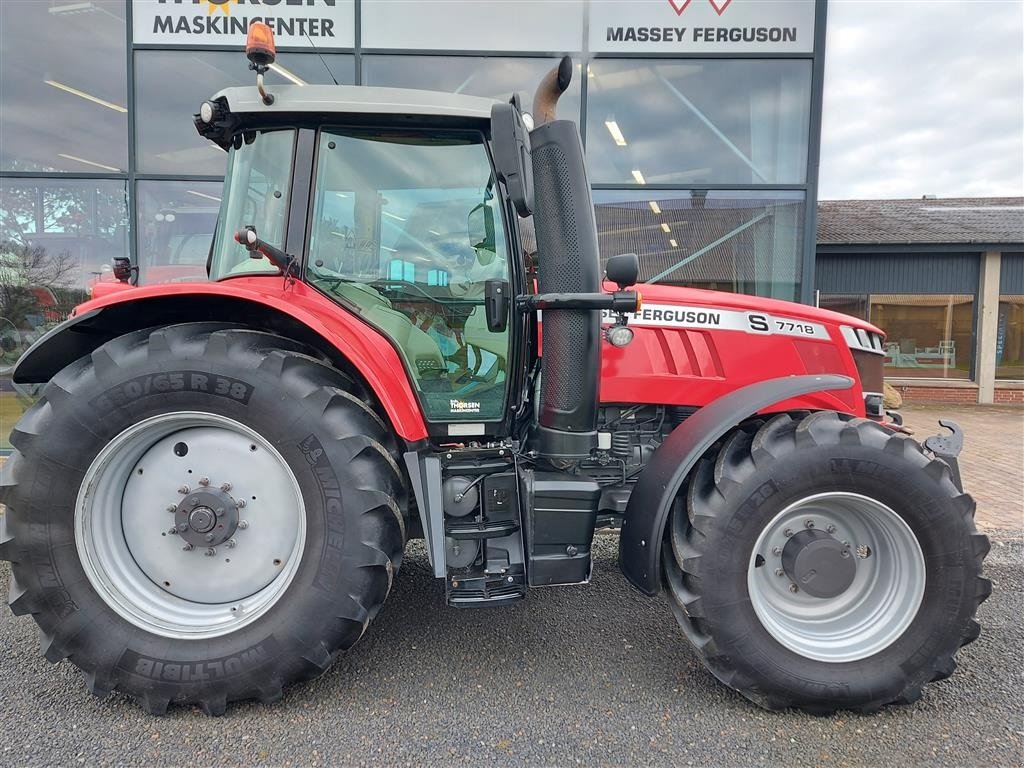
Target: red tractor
(213, 494)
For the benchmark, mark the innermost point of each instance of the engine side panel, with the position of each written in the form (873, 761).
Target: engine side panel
(692, 347)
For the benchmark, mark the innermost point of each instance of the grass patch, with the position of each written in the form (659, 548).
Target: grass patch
(11, 409)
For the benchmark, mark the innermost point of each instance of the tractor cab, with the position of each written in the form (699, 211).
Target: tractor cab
(403, 226)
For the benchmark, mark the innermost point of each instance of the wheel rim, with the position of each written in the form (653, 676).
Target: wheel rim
(881, 599)
(190, 525)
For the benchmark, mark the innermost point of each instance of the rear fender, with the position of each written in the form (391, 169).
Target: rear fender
(297, 311)
(651, 499)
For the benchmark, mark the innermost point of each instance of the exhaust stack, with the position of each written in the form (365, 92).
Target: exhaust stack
(568, 262)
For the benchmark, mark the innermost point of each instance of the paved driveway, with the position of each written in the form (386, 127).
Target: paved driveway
(992, 462)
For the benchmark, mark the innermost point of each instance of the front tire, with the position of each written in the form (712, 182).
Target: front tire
(825, 563)
(200, 515)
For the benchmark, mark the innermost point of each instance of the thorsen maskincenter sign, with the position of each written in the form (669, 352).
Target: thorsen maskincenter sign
(300, 23)
(702, 26)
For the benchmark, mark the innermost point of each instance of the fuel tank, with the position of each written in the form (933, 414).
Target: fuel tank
(692, 346)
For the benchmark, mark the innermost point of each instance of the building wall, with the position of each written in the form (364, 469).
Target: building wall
(954, 319)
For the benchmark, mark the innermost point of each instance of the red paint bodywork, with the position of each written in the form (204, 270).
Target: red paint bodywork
(183, 273)
(663, 365)
(677, 366)
(369, 352)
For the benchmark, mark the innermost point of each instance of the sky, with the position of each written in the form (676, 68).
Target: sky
(923, 97)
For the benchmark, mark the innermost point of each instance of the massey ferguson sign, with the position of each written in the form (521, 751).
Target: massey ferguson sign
(703, 26)
(299, 23)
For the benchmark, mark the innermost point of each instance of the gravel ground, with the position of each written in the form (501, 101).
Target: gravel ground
(578, 675)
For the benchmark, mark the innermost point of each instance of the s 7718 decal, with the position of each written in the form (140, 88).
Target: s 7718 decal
(674, 316)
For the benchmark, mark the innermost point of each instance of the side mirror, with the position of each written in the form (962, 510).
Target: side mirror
(510, 145)
(481, 233)
(496, 304)
(124, 270)
(623, 270)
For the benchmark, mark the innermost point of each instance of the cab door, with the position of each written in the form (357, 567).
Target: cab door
(406, 230)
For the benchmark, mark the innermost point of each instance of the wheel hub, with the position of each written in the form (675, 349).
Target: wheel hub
(206, 518)
(818, 564)
(175, 554)
(836, 576)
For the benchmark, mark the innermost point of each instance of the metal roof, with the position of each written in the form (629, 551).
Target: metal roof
(358, 99)
(947, 221)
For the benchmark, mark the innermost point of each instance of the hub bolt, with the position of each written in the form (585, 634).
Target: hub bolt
(183, 490)
(194, 501)
(173, 531)
(788, 532)
(241, 503)
(831, 528)
(243, 524)
(204, 481)
(211, 552)
(230, 543)
(171, 508)
(225, 487)
(779, 572)
(794, 588)
(187, 548)
(776, 550)
(219, 511)
(208, 537)
(844, 553)
(182, 527)
(808, 523)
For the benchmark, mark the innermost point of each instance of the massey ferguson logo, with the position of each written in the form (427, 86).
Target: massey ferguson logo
(705, 35)
(680, 5)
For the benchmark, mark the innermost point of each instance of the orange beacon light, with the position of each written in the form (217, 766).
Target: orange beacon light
(259, 45)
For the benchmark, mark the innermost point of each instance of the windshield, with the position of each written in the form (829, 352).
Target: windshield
(406, 231)
(256, 193)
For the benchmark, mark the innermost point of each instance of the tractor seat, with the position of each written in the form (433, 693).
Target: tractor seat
(421, 353)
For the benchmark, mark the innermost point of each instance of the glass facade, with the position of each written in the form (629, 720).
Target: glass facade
(1010, 339)
(737, 241)
(927, 336)
(99, 156)
(63, 76)
(693, 122)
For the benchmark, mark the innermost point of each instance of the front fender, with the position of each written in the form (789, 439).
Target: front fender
(294, 310)
(651, 499)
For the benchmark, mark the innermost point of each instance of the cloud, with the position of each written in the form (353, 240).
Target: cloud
(923, 97)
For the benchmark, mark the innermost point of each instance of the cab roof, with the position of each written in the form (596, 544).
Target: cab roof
(356, 99)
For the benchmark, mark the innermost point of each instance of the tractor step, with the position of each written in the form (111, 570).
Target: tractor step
(486, 591)
(490, 529)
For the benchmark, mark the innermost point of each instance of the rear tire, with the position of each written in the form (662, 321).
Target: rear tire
(888, 627)
(84, 560)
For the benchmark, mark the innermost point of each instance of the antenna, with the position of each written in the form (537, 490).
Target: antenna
(322, 61)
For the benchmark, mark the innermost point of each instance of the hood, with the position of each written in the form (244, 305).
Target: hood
(667, 294)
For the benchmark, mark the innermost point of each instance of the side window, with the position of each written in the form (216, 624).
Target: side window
(256, 194)
(406, 231)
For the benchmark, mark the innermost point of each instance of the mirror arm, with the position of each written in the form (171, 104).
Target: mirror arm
(619, 302)
(247, 237)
